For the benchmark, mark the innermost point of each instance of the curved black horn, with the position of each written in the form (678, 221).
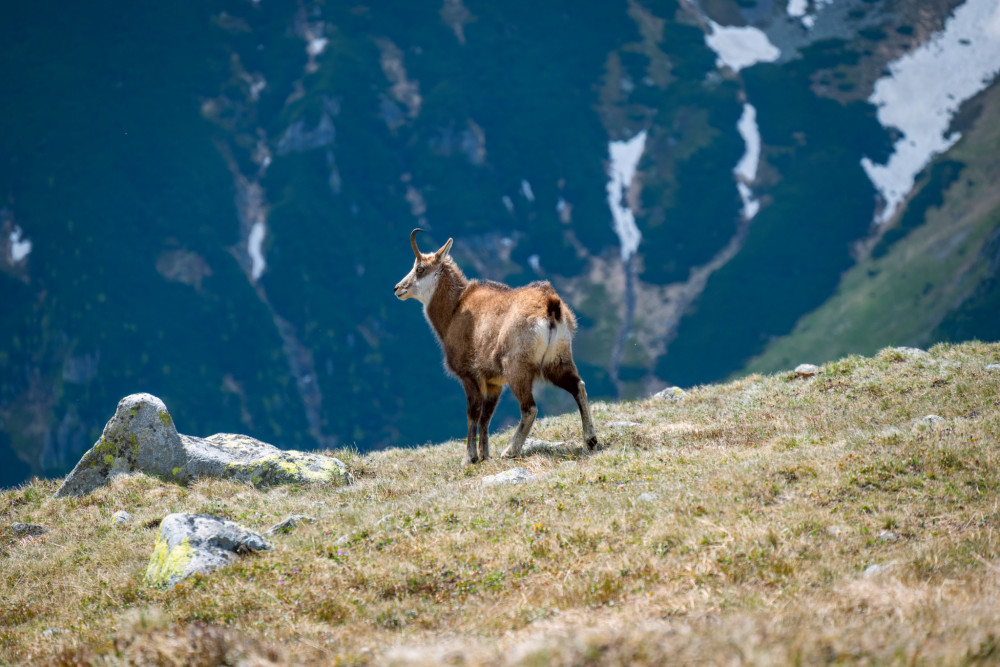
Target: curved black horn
(413, 241)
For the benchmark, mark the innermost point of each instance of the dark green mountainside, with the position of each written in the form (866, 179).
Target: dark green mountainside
(218, 197)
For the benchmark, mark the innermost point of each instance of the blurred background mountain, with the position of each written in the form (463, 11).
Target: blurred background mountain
(210, 200)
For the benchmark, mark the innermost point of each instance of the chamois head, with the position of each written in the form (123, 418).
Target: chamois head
(420, 282)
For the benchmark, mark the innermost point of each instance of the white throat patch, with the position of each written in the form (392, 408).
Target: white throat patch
(423, 289)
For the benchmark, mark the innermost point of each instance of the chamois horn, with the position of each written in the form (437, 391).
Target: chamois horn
(413, 241)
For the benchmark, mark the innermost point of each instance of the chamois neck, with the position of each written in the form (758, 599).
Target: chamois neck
(450, 285)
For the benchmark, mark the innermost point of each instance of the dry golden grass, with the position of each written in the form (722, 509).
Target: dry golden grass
(794, 520)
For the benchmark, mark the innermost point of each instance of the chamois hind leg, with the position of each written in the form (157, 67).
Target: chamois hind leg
(490, 400)
(521, 388)
(474, 408)
(564, 375)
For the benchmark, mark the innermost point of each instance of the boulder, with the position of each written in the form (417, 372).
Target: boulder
(198, 543)
(141, 437)
(512, 476)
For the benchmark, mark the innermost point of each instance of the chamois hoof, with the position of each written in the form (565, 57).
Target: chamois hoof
(470, 460)
(592, 443)
(509, 454)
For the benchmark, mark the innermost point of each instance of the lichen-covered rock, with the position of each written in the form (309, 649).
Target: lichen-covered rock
(141, 437)
(672, 393)
(198, 543)
(121, 518)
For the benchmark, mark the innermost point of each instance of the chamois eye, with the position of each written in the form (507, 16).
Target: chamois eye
(420, 270)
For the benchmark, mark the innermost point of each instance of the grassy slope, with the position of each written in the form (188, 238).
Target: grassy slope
(771, 498)
(899, 298)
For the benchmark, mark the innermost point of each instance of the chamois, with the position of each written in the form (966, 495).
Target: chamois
(493, 335)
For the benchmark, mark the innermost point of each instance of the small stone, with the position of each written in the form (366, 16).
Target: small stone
(557, 449)
(286, 525)
(930, 420)
(671, 393)
(120, 518)
(872, 570)
(835, 531)
(27, 529)
(621, 424)
(806, 370)
(888, 536)
(992, 367)
(49, 632)
(512, 476)
(646, 497)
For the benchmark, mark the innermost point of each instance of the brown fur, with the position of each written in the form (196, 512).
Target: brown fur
(493, 335)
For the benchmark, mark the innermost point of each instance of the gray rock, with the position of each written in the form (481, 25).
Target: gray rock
(198, 543)
(621, 424)
(512, 476)
(674, 393)
(931, 420)
(120, 518)
(835, 531)
(992, 367)
(912, 351)
(27, 529)
(888, 536)
(550, 449)
(872, 570)
(806, 370)
(141, 437)
(646, 497)
(286, 525)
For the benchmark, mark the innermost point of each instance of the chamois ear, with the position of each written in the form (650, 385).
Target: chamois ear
(443, 252)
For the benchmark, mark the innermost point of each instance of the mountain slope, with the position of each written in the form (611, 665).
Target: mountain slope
(930, 273)
(768, 520)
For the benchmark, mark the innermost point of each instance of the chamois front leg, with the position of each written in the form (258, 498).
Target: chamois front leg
(490, 401)
(474, 408)
(522, 392)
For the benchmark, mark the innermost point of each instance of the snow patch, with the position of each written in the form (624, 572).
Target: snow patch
(923, 91)
(746, 168)
(255, 248)
(625, 157)
(526, 190)
(19, 248)
(739, 47)
(797, 8)
(316, 46)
